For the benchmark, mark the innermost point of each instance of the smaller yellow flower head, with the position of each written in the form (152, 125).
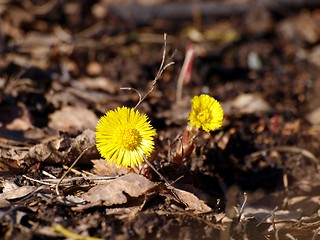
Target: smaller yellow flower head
(206, 113)
(124, 135)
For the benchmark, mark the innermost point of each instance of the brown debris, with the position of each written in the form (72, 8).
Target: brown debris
(63, 65)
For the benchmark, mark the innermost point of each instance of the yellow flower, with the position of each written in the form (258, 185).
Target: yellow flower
(124, 135)
(206, 113)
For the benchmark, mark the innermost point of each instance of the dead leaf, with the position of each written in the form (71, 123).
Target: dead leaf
(101, 83)
(4, 203)
(260, 214)
(246, 103)
(64, 150)
(300, 28)
(22, 123)
(193, 202)
(10, 161)
(314, 116)
(8, 186)
(70, 200)
(313, 56)
(94, 68)
(308, 205)
(104, 168)
(115, 191)
(73, 118)
(17, 193)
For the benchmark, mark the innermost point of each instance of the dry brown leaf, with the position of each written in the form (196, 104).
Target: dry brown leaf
(313, 57)
(17, 193)
(115, 191)
(70, 200)
(4, 203)
(23, 122)
(219, 216)
(10, 161)
(104, 168)
(314, 116)
(9, 185)
(191, 201)
(300, 28)
(64, 150)
(101, 83)
(73, 118)
(308, 205)
(246, 103)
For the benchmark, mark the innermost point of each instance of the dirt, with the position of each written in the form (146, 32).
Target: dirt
(63, 65)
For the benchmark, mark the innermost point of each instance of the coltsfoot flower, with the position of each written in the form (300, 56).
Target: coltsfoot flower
(206, 113)
(124, 136)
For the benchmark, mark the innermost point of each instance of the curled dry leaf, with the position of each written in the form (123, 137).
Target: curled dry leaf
(191, 201)
(64, 150)
(115, 191)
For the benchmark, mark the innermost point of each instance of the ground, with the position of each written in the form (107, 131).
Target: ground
(62, 66)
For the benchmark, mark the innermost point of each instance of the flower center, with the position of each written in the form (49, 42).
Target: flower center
(129, 138)
(204, 115)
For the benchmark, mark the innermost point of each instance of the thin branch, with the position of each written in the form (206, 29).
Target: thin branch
(73, 164)
(133, 89)
(162, 67)
(156, 171)
(245, 199)
(168, 184)
(95, 179)
(37, 181)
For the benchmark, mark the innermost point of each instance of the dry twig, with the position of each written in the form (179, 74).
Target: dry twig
(69, 169)
(162, 67)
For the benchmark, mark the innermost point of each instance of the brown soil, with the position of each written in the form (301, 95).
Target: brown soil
(259, 173)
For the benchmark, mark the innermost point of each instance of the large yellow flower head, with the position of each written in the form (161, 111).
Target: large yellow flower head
(206, 113)
(124, 136)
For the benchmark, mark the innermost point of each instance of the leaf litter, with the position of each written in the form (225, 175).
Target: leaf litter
(267, 149)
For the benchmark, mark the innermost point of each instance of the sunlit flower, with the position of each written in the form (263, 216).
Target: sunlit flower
(124, 136)
(206, 113)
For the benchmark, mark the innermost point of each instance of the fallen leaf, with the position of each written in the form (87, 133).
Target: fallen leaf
(101, 83)
(307, 205)
(191, 201)
(8, 186)
(313, 56)
(115, 191)
(70, 200)
(64, 150)
(314, 116)
(17, 193)
(22, 123)
(105, 168)
(246, 103)
(10, 162)
(4, 203)
(73, 118)
(300, 28)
